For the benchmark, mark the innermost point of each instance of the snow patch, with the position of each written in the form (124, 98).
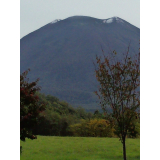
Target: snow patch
(108, 20)
(55, 21)
(119, 20)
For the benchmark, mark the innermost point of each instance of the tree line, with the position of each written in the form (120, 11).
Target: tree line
(58, 118)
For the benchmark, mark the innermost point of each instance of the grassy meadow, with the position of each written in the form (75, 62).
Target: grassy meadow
(78, 148)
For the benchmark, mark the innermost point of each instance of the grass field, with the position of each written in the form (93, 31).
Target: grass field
(78, 148)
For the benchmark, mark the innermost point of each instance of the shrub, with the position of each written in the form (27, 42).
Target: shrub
(92, 128)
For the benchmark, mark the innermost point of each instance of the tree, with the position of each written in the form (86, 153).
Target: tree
(97, 114)
(119, 91)
(29, 106)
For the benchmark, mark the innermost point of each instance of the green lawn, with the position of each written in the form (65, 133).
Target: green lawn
(78, 148)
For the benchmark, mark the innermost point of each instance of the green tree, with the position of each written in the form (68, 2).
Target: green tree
(119, 91)
(97, 114)
(29, 106)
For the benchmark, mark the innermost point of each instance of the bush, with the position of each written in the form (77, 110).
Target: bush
(92, 128)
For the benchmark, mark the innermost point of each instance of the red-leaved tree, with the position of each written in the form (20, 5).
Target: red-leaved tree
(29, 106)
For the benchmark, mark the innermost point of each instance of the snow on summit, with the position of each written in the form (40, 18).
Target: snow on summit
(110, 20)
(55, 21)
(119, 20)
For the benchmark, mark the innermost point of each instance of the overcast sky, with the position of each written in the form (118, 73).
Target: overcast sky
(36, 13)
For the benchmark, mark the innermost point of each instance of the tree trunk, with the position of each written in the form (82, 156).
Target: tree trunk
(124, 148)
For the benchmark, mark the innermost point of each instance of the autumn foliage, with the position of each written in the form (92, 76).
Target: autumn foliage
(29, 106)
(119, 82)
(92, 128)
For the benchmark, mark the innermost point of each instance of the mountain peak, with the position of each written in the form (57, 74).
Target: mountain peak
(86, 18)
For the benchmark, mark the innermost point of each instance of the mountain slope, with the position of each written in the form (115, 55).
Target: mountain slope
(62, 53)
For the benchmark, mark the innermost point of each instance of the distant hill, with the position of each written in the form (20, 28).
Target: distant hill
(62, 53)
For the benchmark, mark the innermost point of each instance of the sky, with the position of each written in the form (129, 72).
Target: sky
(37, 13)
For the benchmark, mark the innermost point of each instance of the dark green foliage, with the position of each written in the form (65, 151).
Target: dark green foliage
(134, 129)
(20, 149)
(61, 119)
(81, 113)
(97, 114)
(58, 116)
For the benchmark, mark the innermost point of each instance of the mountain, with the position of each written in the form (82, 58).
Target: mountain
(62, 53)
